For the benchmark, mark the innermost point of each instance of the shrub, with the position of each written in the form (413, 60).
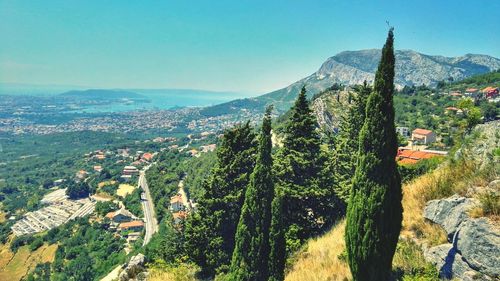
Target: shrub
(409, 263)
(37, 243)
(490, 203)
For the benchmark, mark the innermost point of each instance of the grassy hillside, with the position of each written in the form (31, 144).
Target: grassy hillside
(323, 258)
(15, 266)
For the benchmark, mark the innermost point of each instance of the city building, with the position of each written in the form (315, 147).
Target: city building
(404, 131)
(423, 136)
(176, 203)
(131, 226)
(120, 216)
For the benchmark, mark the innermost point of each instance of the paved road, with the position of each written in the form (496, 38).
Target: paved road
(148, 208)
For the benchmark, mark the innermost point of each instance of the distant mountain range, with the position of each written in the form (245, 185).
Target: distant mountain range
(102, 94)
(354, 67)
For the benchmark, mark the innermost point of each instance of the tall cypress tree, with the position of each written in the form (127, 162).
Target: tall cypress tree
(251, 252)
(374, 211)
(210, 232)
(277, 255)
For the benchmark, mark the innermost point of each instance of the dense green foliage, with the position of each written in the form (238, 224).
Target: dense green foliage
(374, 211)
(277, 242)
(211, 230)
(251, 252)
(78, 189)
(346, 142)
(197, 169)
(166, 245)
(409, 172)
(133, 202)
(305, 203)
(86, 251)
(104, 207)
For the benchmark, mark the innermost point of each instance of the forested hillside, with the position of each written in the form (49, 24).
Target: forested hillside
(252, 225)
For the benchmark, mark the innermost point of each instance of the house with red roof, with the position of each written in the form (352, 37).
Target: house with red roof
(147, 156)
(179, 216)
(131, 226)
(408, 156)
(176, 203)
(423, 136)
(490, 92)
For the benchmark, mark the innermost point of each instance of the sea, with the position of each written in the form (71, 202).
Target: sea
(155, 99)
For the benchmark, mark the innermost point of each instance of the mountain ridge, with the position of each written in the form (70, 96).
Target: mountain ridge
(354, 67)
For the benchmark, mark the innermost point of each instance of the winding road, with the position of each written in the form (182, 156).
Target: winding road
(148, 207)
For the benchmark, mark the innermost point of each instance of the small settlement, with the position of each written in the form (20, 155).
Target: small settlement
(59, 209)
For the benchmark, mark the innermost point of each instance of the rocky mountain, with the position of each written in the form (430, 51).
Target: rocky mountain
(354, 67)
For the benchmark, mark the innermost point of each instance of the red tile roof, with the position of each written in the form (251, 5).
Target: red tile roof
(422, 131)
(110, 215)
(487, 89)
(180, 215)
(126, 225)
(407, 156)
(175, 199)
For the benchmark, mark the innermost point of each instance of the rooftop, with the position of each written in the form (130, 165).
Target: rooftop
(422, 131)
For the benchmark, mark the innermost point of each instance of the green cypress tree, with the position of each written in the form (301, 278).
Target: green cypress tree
(277, 241)
(374, 211)
(251, 252)
(210, 233)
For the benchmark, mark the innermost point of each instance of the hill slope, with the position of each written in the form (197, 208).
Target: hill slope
(468, 173)
(353, 67)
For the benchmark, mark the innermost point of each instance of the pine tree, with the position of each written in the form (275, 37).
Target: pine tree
(347, 142)
(374, 212)
(251, 252)
(210, 233)
(309, 204)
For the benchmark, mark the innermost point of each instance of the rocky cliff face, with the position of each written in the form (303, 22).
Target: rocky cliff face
(412, 68)
(473, 248)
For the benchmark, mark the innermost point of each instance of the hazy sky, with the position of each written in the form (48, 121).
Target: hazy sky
(244, 46)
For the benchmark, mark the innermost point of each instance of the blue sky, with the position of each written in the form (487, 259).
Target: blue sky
(244, 46)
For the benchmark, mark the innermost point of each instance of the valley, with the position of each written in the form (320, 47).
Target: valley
(143, 182)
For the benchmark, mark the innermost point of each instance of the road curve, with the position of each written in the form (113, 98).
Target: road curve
(148, 208)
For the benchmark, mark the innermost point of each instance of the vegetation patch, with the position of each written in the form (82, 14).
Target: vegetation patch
(16, 266)
(125, 189)
(182, 272)
(322, 259)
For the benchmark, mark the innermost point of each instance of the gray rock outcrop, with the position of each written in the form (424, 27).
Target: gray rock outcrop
(134, 269)
(474, 251)
(478, 241)
(449, 213)
(449, 263)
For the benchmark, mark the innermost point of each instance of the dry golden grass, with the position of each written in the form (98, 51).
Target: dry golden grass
(414, 199)
(124, 189)
(104, 183)
(178, 273)
(103, 196)
(320, 260)
(16, 266)
(2, 217)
